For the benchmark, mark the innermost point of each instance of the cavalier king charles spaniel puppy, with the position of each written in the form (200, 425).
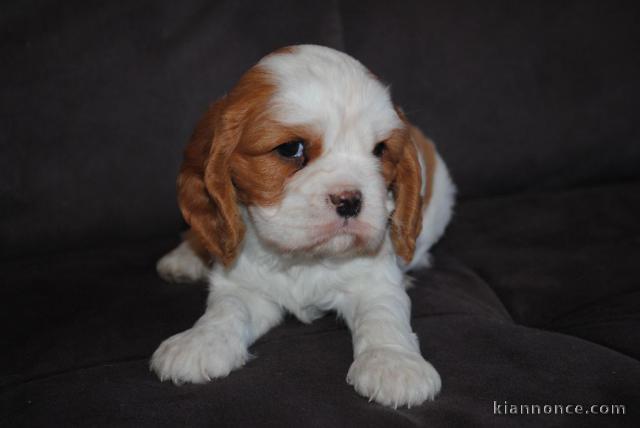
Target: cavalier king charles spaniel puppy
(307, 190)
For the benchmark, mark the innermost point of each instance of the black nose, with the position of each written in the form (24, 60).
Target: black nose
(347, 203)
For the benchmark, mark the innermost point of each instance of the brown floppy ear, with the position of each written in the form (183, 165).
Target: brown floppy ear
(206, 194)
(406, 221)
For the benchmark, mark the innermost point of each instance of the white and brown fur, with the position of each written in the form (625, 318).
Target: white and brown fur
(270, 227)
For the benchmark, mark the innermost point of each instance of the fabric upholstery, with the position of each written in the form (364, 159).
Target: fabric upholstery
(534, 296)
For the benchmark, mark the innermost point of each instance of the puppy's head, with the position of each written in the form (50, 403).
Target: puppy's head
(309, 142)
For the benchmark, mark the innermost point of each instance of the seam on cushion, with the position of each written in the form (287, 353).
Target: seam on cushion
(337, 7)
(49, 375)
(461, 313)
(593, 322)
(600, 345)
(593, 306)
(475, 273)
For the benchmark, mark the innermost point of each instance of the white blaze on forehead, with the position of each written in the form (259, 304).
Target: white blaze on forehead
(331, 92)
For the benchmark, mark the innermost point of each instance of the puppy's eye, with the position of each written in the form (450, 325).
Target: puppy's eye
(379, 149)
(293, 149)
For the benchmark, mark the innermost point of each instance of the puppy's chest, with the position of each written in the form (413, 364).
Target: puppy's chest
(307, 292)
(308, 289)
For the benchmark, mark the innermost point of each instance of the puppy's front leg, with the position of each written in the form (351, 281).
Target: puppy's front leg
(387, 366)
(218, 341)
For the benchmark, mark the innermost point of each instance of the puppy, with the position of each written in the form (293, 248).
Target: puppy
(311, 192)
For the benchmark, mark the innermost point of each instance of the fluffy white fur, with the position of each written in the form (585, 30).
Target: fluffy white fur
(182, 265)
(300, 257)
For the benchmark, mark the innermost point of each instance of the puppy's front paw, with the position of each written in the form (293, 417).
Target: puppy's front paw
(197, 356)
(394, 377)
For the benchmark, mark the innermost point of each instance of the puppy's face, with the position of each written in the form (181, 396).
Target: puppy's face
(311, 144)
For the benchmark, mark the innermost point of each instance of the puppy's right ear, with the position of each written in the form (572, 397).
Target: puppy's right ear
(206, 194)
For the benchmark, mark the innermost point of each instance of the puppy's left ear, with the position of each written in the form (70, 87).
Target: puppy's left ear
(406, 221)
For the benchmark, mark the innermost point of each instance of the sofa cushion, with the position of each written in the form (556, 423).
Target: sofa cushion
(565, 261)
